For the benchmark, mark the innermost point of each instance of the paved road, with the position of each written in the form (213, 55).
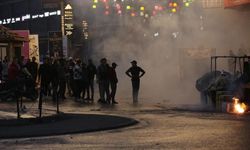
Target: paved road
(161, 126)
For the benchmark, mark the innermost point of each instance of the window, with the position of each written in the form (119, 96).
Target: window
(212, 3)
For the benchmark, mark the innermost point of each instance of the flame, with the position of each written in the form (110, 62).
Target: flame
(238, 108)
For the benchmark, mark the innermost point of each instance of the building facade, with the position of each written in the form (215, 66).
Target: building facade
(31, 15)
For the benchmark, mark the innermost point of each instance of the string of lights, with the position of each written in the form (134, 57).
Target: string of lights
(133, 8)
(143, 8)
(29, 17)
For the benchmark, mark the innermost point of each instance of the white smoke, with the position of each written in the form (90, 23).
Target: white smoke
(158, 47)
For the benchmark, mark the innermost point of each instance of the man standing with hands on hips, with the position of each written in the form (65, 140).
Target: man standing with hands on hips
(135, 73)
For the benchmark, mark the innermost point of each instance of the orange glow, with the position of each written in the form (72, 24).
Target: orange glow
(133, 14)
(238, 108)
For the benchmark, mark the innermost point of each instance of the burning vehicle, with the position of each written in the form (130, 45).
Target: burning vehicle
(224, 91)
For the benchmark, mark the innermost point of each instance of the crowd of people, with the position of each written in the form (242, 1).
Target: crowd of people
(56, 76)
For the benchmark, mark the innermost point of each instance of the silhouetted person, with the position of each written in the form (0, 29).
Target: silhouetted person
(91, 69)
(1, 69)
(44, 76)
(5, 66)
(103, 81)
(84, 80)
(28, 63)
(135, 73)
(62, 78)
(70, 76)
(23, 66)
(113, 82)
(13, 70)
(77, 79)
(13, 73)
(21, 62)
(32, 67)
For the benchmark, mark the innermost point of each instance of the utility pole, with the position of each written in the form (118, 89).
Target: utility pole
(62, 17)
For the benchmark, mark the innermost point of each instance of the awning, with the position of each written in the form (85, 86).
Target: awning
(7, 36)
(234, 3)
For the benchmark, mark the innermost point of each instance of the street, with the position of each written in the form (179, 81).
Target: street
(162, 126)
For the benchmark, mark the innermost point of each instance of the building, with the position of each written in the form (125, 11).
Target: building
(31, 15)
(10, 43)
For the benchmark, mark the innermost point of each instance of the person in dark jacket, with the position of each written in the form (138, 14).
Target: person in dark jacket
(77, 79)
(1, 69)
(84, 80)
(70, 76)
(13, 70)
(135, 73)
(44, 76)
(5, 66)
(113, 82)
(103, 81)
(32, 68)
(55, 79)
(61, 69)
(91, 69)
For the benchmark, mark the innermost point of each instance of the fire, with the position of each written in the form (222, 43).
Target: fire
(238, 108)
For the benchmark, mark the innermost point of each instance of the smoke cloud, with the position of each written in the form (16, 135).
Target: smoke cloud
(162, 45)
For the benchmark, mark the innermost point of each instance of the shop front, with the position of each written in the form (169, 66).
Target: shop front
(11, 44)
